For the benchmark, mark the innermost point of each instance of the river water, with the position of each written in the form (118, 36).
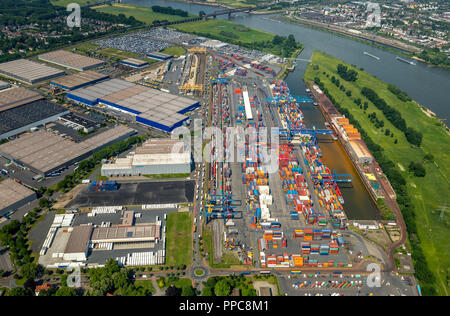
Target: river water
(427, 85)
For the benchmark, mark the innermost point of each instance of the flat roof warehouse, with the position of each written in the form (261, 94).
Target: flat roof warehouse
(22, 109)
(151, 107)
(71, 60)
(28, 71)
(79, 80)
(14, 195)
(45, 152)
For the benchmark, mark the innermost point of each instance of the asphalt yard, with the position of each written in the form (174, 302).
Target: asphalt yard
(138, 194)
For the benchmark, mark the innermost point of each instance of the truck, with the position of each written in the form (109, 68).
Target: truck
(4, 172)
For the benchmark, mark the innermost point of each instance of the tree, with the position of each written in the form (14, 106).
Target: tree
(43, 203)
(31, 270)
(222, 288)
(20, 291)
(187, 291)
(66, 291)
(173, 291)
(418, 169)
(277, 40)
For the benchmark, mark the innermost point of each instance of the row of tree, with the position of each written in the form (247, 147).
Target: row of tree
(347, 74)
(86, 166)
(170, 11)
(412, 136)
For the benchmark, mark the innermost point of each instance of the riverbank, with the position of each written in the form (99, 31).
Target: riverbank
(420, 198)
(143, 14)
(368, 37)
(366, 40)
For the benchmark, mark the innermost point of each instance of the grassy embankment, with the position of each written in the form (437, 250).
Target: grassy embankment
(64, 3)
(143, 14)
(112, 54)
(233, 33)
(427, 194)
(179, 239)
(176, 51)
(216, 28)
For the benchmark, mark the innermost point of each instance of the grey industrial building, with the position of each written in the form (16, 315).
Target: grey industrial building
(159, 56)
(13, 196)
(134, 63)
(4, 85)
(46, 153)
(78, 80)
(71, 60)
(80, 123)
(22, 109)
(150, 107)
(28, 72)
(155, 156)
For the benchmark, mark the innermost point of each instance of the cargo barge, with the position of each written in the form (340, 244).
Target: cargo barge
(406, 61)
(347, 134)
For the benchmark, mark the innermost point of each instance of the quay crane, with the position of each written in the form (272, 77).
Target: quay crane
(312, 132)
(293, 98)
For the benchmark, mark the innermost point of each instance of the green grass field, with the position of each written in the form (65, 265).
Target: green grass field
(176, 51)
(179, 239)
(429, 194)
(88, 49)
(64, 3)
(236, 3)
(214, 27)
(146, 284)
(143, 14)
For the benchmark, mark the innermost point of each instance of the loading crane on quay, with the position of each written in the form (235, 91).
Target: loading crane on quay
(333, 177)
(292, 98)
(290, 133)
(227, 211)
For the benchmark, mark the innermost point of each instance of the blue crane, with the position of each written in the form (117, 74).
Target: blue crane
(345, 178)
(291, 98)
(220, 80)
(227, 211)
(313, 132)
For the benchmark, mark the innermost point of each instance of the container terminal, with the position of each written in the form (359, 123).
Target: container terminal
(285, 216)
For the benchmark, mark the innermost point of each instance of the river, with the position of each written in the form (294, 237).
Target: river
(427, 85)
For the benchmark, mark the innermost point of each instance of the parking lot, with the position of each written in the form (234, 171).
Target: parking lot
(140, 43)
(138, 194)
(324, 284)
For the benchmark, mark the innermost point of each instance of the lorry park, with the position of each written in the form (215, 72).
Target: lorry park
(284, 216)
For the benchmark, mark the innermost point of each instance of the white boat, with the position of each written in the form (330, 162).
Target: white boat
(406, 61)
(373, 56)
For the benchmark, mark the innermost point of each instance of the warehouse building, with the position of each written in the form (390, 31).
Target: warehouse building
(159, 56)
(155, 156)
(360, 151)
(77, 247)
(22, 110)
(150, 107)
(45, 153)
(131, 234)
(135, 63)
(4, 85)
(78, 80)
(28, 72)
(80, 123)
(13, 196)
(71, 60)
